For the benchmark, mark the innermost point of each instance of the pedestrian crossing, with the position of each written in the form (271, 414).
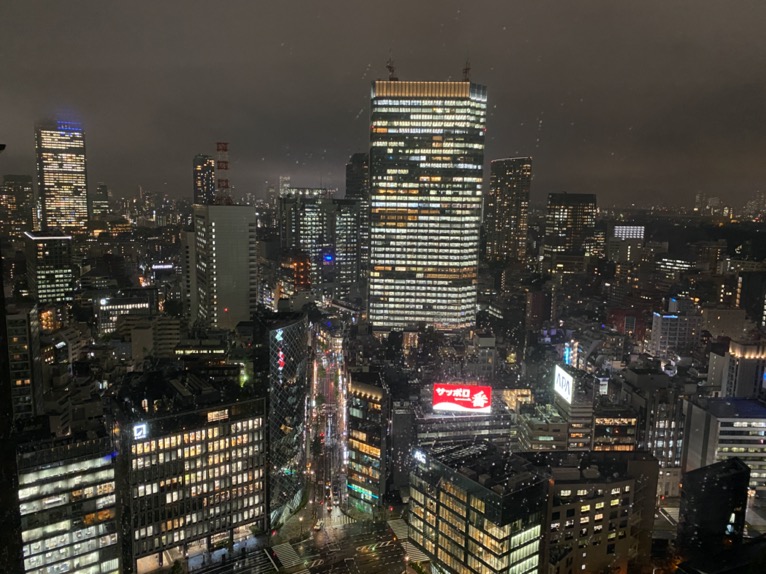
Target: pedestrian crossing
(339, 519)
(413, 553)
(287, 555)
(400, 528)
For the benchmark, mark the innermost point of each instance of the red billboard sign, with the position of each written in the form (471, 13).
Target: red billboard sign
(471, 399)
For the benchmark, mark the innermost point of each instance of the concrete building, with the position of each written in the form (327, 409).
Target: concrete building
(674, 333)
(192, 468)
(574, 396)
(739, 371)
(600, 510)
(720, 429)
(226, 264)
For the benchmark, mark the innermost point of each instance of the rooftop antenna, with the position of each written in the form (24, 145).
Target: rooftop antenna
(467, 71)
(391, 70)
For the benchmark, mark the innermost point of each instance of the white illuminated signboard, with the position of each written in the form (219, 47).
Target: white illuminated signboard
(140, 431)
(563, 384)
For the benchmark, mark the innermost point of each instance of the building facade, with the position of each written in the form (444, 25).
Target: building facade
(17, 205)
(62, 181)
(368, 415)
(280, 368)
(191, 471)
(226, 264)
(68, 505)
(507, 209)
(50, 273)
(475, 510)
(570, 220)
(204, 180)
(426, 158)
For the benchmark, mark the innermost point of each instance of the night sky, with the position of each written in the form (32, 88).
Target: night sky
(635, 101)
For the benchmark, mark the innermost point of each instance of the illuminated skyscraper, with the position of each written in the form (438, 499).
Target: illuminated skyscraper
(358, 187)
(98, 202)
(507, 209)
(16, 205)
(61, 175)
(571, 218)
(49, 266)
(426, 156)
(204, 180)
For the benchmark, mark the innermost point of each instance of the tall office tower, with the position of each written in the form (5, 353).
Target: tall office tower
(191, 468)
(98, 202)
(62, 181)
(49, 266)
(474, 509)
(426, 158)
(713, 504)
(17, 204)
(189, 294)
(358, 187)
(347, 238)
(507, 209)
(280, 365)
(327, 230)
(23, 349)
(67, 502)
(204, 180)
(571, 218)
(226, 264)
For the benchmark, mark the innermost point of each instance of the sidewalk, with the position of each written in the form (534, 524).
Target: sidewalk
(300, 525)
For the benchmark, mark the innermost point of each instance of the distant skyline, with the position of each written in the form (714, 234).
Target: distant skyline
(636, 102)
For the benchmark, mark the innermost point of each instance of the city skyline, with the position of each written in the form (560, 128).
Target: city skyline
(666, 111)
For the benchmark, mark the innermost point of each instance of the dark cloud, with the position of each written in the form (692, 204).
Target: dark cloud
(650, 99)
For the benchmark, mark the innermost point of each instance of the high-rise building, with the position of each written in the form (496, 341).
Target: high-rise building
(23, 349)
(226, 264)
(474, 509)
(426, 158)
(569, 221)
(191, 467)
(507, 208)
(68, 505)
(204, 180)
(280, 365)
(49, 266)
(62, 181)
(358, 187)
(98, 202)
(17, 205)
(327, 230)
(720, 429)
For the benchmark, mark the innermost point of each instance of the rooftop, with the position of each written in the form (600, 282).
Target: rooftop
(730, 408)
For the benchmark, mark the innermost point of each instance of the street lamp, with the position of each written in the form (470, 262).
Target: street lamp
(300, 519)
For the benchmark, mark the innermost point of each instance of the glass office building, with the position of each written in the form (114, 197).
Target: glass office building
(281, 359)
(426, 158)
(67, 502)
(61, 175)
